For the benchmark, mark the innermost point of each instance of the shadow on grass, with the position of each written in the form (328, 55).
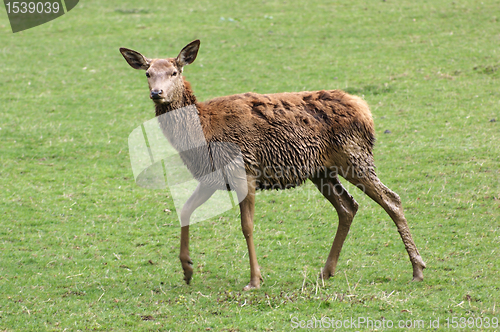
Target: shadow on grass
(493, 70)
(369, 90)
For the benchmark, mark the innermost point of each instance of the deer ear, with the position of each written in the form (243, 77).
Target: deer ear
(135, 59)
(188, 53)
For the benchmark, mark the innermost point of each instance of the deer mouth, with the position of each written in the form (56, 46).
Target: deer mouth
(159, 100)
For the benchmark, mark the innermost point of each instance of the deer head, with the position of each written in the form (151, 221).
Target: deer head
(166, 84)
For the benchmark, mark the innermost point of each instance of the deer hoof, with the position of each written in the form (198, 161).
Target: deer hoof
(251, 285)
(188, 271)
(417, 279)
(187, 276)
(418, 274)
(325, 274)
(418, 269)
(254, 283)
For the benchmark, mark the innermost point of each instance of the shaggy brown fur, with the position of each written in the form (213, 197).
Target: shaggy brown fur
(285, 139)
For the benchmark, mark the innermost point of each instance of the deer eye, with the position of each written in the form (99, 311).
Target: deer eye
(147, 75)
(174, 73)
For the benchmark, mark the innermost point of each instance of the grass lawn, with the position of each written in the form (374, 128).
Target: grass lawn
(84, 248)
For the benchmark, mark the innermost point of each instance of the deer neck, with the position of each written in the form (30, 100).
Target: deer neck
(183, 97)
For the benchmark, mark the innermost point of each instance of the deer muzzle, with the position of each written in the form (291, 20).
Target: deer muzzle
(156, 94)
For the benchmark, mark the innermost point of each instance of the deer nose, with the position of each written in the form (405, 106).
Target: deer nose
(156, 94)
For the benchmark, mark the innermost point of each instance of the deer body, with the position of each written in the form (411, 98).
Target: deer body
(285, 139)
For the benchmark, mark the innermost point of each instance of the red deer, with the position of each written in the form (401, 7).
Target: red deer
(318, 135)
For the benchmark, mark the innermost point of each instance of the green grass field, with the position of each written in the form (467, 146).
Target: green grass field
(84, 248)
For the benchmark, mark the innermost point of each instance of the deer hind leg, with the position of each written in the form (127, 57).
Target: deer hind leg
(346, 208)
(371, 185)
(199, 196)
(247, 208)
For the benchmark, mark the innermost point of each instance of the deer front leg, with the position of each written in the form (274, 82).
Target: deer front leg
(199, 196)
(247, 208)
